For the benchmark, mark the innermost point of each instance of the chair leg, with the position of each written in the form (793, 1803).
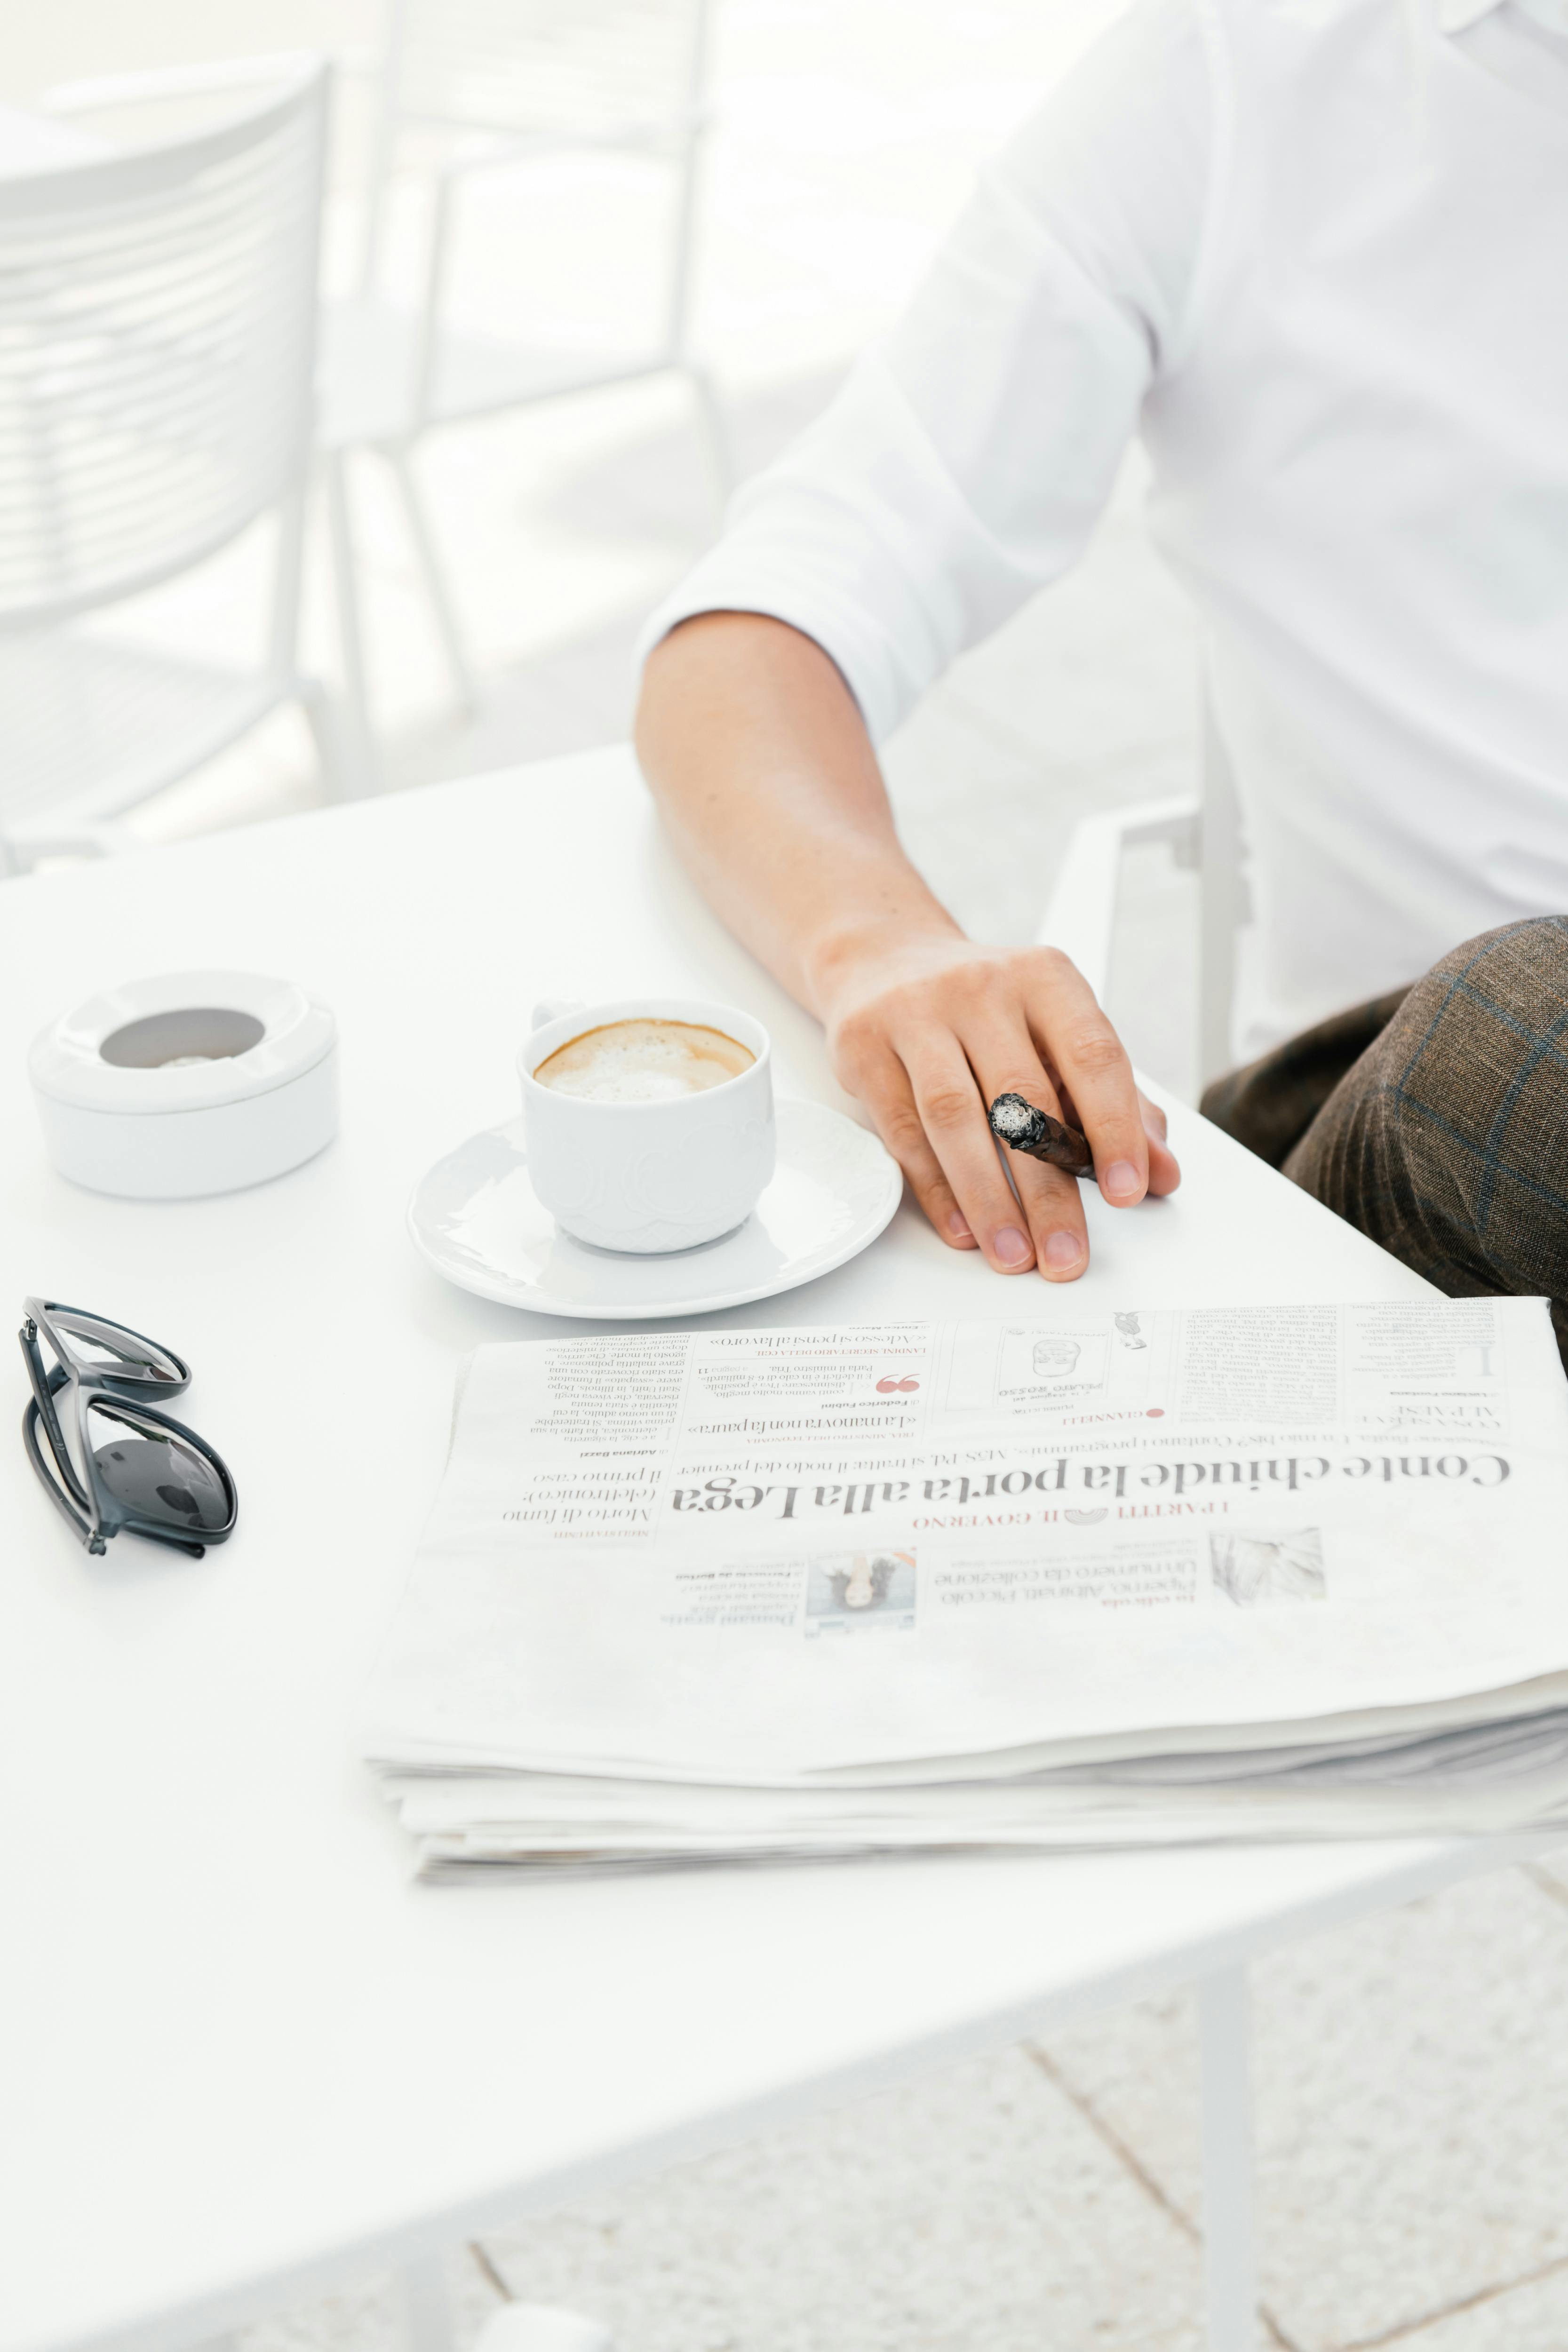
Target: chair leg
(715, 435)
(364, 766)
(1230, 2253)
(332, 756)
(436, 586)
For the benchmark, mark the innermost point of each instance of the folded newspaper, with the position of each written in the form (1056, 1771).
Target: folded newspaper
(1106, 1578)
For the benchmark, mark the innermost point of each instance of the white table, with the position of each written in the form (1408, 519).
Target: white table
(243, 2056)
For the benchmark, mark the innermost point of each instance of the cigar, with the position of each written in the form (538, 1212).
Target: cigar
(1022, 1128)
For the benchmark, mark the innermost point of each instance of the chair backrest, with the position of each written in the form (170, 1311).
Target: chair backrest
(157, 338)
(1204, 829)
(1225, 903)
(560, 69)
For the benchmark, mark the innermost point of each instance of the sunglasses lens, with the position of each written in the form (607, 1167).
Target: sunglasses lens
(156, 1475)
(113, 1352)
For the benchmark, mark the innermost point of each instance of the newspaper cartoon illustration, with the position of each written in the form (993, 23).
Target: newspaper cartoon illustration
(1250, 1570)
(1038, 1368)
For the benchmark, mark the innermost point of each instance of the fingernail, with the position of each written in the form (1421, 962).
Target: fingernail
(1012, 1247)
(1121, 1180)
(958, 1226)
(1063, 1250)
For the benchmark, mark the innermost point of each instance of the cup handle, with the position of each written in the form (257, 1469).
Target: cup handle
(556, 1008)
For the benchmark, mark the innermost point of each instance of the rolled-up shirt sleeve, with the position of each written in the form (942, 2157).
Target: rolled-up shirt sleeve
(965, 460)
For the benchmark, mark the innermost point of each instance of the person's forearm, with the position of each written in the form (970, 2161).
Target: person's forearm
(758, 757)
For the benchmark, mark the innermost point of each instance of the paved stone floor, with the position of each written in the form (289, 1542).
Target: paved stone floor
(1411, 2094)
(1413, 2081)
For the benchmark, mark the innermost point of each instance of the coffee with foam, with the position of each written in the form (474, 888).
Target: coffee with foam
(644, 1061)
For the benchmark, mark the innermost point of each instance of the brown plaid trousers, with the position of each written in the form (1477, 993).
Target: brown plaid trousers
(1436, 1119)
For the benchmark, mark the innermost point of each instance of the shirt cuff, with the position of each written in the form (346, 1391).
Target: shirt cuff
(730, 580)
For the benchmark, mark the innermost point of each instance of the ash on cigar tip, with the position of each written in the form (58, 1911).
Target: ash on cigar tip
(1010, 1115)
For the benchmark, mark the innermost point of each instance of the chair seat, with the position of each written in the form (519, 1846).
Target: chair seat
(365, 379)
(93, 727)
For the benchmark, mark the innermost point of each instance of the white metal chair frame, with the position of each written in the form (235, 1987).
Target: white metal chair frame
(157, 321)
(673, 136)
(1205, 830)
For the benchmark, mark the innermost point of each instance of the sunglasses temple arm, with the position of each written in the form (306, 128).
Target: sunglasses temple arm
(44, 1384)
(77, 1520)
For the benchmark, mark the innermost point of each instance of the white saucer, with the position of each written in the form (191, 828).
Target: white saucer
(474, 1215)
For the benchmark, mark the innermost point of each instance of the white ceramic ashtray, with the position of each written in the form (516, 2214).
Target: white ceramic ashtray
(186, 1082)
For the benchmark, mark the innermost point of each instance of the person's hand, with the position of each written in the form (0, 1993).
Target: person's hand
(928, 1030)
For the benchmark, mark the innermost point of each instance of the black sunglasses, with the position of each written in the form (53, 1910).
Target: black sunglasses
(130, 1467)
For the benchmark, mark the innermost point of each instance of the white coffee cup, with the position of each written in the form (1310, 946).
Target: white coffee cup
(649, 1176)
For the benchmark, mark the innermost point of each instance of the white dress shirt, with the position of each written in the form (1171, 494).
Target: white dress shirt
(1316, 252)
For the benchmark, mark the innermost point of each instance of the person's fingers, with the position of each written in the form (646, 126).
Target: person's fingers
(885, 1091)
(1164, 1169)
(1079, 1044)
(928, 1070)
(953, 1117)
(1003, 1057)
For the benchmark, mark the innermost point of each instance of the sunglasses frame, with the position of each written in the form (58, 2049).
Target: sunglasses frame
(91, 1512)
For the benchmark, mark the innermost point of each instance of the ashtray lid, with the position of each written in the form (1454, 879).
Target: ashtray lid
(181, 1041)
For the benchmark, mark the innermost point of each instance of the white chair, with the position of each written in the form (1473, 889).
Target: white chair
(157, 328)
(1205, 831)
(504, 86)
